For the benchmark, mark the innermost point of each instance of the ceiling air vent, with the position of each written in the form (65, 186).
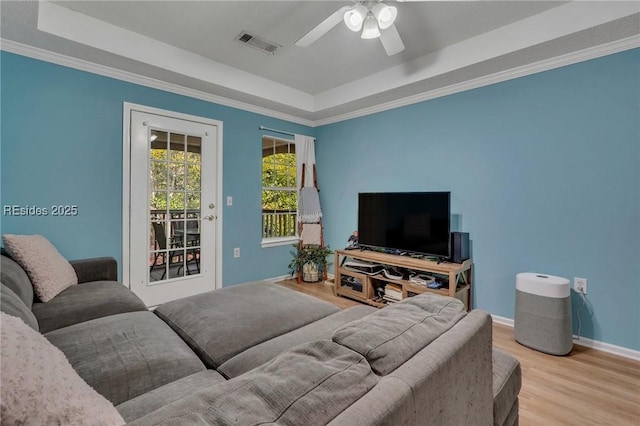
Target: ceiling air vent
(259, 43)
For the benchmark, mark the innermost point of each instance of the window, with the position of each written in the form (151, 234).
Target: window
(279, 191)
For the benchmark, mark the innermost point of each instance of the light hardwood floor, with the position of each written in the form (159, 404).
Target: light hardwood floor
(587, 387)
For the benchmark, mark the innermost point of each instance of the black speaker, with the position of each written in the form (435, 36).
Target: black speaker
(459, 247)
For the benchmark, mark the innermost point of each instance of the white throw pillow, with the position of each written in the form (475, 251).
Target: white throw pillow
(50, 273)
(40, 387)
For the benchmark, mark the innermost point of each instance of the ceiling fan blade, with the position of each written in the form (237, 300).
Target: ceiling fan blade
(391, 41)
(322, 28)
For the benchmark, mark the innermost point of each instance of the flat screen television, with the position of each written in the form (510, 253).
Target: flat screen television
(412, 222)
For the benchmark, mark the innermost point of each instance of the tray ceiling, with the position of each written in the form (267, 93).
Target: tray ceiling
(193, 45)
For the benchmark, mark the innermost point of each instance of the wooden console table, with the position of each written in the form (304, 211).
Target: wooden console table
(362, 287)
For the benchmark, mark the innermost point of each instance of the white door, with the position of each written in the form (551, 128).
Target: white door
(173, 207)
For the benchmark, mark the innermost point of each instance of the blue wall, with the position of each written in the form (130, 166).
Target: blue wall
(61, 143)
(543, 171)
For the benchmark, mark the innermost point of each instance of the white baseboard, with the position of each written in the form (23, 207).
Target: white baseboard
(584, 341)
(502, 320)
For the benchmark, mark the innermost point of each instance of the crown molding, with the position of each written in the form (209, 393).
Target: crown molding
(541, 66)
(70, 25)
(522, 71)
(569, 18)
(129, 77)
(566, 19)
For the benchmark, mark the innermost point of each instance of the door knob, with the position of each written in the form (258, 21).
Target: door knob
(209, 218)
(211, 206)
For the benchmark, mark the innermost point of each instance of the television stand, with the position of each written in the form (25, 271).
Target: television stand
(368, 288)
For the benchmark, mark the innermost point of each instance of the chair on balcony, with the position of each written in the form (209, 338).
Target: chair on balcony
(189, 238)
(161, 244)
(175, 249)
(192, 243)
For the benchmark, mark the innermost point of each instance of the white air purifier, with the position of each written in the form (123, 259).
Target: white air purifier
(543, 313)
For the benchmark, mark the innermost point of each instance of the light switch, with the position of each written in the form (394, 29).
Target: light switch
(229, 200)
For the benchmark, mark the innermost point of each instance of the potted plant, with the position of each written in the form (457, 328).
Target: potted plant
(308, 260)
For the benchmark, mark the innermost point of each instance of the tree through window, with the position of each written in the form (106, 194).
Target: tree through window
(279, 189)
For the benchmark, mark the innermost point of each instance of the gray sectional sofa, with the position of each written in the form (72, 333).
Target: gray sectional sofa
(260, 353)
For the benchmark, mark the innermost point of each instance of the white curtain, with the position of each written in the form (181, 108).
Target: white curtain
(305, 154)
(308, 201)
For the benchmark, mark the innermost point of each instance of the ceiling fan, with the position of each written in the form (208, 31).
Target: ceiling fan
(373, 17)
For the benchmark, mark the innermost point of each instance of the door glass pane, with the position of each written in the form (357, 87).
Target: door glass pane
(193, 201)
(158, 204)
(174, 205)
(178, 147)
(159, 140)
(194, 149)
(158, 175)
(177, 176)
(177, 234)
(193, 177)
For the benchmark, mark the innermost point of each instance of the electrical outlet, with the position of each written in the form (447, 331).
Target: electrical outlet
(580, 285)
(236, 252)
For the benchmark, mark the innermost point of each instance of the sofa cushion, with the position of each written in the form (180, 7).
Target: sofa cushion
(390, 336)
(450, 379)
(446, 383)
(85, 302)
(266, 351)
(222, 323)
(159, 397)
(95, 269)
(13, 276)
(125, 355)
(308, 385)
(49, 272)
(11, 304)
(507, 380)
(39, 387)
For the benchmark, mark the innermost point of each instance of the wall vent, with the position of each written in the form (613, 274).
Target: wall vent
(259, 43)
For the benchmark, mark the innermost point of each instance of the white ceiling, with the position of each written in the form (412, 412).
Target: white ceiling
(193, 44)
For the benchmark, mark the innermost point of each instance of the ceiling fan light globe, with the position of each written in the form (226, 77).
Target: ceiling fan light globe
(385, 15)
(354, 18)
(371, 29)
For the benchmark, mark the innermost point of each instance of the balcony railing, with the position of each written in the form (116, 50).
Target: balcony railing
(275, 223)
(278, 223)
(174, 218)
(162, 215)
